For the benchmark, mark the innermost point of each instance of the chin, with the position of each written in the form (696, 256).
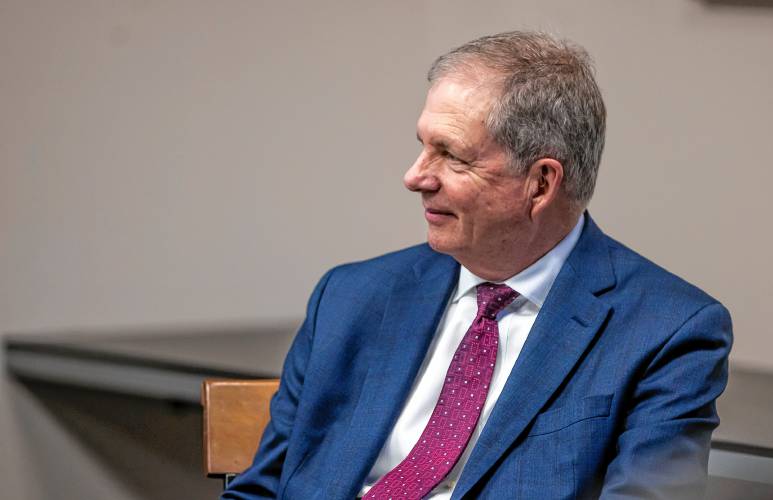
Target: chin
(442, 245)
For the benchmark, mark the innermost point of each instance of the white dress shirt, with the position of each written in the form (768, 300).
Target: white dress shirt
(515, 322)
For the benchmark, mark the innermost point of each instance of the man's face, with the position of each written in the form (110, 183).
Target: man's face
(475, 207)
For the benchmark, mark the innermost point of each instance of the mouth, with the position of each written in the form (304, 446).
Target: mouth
(437, 216)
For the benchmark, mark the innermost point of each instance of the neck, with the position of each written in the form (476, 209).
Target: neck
(505, 262)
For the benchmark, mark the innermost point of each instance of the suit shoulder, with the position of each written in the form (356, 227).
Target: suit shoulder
(637, 274)
(384, 266)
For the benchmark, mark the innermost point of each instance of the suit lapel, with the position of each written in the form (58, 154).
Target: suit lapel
(415, 305)
(567, 323)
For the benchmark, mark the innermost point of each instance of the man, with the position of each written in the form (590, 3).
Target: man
(521, 353)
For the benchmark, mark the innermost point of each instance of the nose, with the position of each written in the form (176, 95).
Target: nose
(421, 177)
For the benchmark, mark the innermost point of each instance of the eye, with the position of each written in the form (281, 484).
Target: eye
(451, 156)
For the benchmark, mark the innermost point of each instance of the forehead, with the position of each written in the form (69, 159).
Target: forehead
(455, 106)
(459, 96)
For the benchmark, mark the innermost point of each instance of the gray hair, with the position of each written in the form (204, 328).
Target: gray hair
(549, 104)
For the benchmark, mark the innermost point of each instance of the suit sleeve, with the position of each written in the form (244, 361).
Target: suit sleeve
(261, 479)
(662, 451)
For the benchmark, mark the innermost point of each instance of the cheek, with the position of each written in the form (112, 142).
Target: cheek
(501, 221)
(497, 209)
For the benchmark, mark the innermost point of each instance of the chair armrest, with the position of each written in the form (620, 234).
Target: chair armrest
(235, 412)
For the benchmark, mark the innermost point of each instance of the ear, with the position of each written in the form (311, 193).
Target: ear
(545, 178)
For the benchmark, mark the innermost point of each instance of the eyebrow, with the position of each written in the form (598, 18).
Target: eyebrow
(437, 143)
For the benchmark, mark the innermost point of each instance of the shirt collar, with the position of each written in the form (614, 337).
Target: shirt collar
(535, 281)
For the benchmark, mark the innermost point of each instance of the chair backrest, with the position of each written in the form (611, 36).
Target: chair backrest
(235, 414)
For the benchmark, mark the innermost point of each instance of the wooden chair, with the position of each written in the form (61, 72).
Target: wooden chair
(235, 414)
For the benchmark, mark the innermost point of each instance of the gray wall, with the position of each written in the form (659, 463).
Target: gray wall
(176, 162)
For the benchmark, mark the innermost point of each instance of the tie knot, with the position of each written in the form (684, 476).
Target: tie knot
(492, 298)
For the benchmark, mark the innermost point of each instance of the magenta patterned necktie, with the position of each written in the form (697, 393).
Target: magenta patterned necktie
(458, 408)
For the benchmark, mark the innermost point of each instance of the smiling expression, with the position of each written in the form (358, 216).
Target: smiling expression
(475, 206)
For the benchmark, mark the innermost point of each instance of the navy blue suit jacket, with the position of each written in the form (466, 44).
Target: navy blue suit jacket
(612, 395)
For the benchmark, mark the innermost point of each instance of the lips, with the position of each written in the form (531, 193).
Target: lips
(437, 215)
